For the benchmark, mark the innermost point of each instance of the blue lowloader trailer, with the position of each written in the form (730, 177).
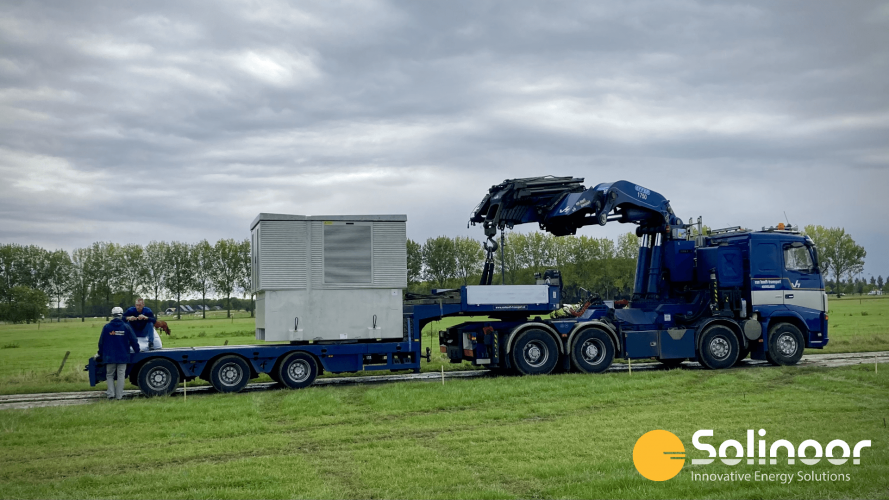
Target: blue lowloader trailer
(296, 364)
(329, 297)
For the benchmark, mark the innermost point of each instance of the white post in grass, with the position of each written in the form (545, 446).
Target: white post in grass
(184, 390)
(442, 374)
(630, 365)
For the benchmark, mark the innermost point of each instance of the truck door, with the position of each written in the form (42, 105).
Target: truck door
(766, 276)
(806, 288)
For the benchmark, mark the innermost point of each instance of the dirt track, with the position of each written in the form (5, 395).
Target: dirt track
(24, 401)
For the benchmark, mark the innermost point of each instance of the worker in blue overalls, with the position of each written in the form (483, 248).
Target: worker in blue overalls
(142, 319)
(114, 348)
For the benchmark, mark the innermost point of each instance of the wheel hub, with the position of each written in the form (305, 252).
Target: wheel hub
(787, 344)
(592, 350)
(719, 348)
(158, 378)
(298, 371)
(230, 374)
(535, 353)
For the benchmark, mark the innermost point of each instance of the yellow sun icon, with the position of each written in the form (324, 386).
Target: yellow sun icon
(659, 455)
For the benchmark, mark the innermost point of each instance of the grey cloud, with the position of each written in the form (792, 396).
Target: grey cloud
(737, 111)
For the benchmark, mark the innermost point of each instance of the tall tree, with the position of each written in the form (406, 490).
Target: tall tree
(439, 260)
(80, 279)
(157, 255)
(133, 271)
(414, 262)
(103, 271)
(880, 282)
(513, 260)
(469, 257)
(225, 269)
(11, 261)
(203, 259)
(60, 278)
(837, 251)
(180, 273)
(245, 273)
(34, 268)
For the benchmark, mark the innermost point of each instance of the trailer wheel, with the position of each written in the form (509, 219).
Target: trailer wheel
(592, 351)
(785, 345)
(229, 374)
(158, 377)
(719, 347)
(534, 353)
(298, 370)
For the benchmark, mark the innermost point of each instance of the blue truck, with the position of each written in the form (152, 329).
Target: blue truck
(327, 287)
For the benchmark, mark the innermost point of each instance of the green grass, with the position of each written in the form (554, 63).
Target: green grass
(560, 436)
(858, 324)
(30, 354)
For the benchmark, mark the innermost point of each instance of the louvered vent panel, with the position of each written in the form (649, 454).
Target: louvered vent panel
(348, 254)
(317, 255)
(282, 253)
(390, 254)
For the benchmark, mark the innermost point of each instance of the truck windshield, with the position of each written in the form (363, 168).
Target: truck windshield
(798, 258)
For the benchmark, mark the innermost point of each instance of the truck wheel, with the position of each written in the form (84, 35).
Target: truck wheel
(785, 345)
(534, 353)
(719, 348)
(298, 370)
(229, 374)
(158, 377)
(592, 351)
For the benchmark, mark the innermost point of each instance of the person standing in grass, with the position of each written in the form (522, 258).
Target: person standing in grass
(114, 348)
(142, 319)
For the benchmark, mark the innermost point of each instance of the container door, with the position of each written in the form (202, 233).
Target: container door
(803, 284)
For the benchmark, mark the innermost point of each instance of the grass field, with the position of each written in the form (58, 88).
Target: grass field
(558, 436)
(31, 354)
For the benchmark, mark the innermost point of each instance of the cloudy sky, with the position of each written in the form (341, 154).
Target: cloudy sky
(133, 121)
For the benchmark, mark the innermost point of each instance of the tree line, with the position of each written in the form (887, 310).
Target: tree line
(94, 279)
(597, 264)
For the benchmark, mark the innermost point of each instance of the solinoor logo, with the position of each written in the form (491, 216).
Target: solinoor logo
(659, 455)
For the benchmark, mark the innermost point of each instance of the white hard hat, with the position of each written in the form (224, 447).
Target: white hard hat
(117, 311)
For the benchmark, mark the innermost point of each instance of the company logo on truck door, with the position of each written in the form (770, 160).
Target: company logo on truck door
(659, 455)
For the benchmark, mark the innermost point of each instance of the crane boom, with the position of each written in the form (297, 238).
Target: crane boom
(561, 205)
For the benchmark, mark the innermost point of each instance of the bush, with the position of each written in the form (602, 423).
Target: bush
(26, 305)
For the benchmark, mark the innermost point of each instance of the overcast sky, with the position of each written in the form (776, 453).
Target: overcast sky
(134, 121)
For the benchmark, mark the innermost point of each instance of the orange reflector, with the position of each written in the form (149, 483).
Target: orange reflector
(467, 353)
(444, 349)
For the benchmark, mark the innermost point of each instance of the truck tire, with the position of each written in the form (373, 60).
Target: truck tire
(592, 351)
(719, 348)
(297, 370)
(786, 345)
(534, 353)
(229, 374)
(158, 377)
